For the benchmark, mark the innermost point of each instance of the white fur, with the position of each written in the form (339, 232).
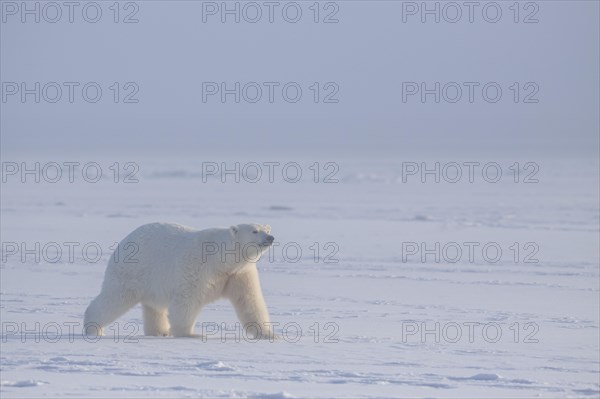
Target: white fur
(176, 272)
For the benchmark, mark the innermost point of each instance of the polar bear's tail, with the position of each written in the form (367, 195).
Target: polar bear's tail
(103, 310)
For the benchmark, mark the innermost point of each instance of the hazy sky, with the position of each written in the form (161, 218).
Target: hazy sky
(366, 61)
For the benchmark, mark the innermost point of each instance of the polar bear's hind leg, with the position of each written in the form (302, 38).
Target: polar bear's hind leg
(105, 309)
(156, 322)
(182, 318)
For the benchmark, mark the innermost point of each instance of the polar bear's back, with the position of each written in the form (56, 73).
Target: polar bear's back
(161, 229)
(152, 252)
(162, 246)
(155, 260)
(154, 238)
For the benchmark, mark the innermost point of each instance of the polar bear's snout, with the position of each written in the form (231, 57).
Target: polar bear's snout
(269, 240)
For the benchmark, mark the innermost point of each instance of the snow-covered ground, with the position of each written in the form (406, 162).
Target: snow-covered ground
(376, 319)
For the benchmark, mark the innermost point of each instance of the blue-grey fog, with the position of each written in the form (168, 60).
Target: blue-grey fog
(354, 76)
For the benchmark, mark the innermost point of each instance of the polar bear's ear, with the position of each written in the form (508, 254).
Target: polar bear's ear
(234, 230)
(268, 229)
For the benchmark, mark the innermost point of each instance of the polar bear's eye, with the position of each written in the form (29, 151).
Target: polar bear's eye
(255, 232)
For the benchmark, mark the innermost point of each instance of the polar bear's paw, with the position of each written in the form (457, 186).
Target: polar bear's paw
(269, 337)
(190, 335)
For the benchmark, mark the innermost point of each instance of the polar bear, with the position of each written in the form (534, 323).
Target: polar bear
(174, 270)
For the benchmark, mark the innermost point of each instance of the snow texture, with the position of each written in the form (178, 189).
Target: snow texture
(356, 315)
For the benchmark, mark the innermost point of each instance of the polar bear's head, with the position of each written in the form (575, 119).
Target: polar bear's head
(254, 239)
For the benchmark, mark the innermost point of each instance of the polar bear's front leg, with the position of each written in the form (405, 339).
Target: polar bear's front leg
(244, 292)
